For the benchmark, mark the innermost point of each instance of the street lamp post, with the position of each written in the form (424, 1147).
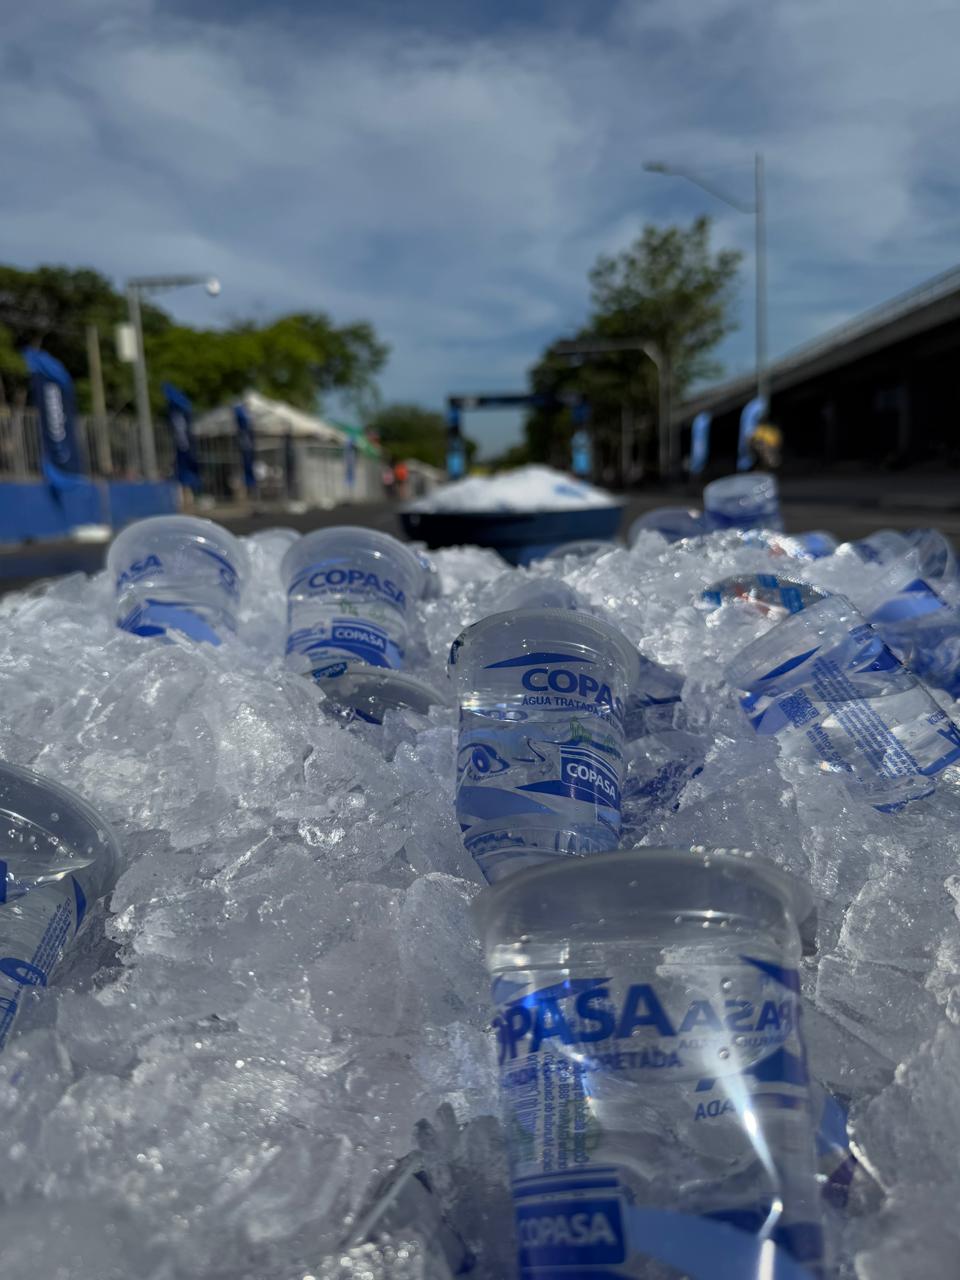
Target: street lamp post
(136, 287)
(668, 440)
(758, 210)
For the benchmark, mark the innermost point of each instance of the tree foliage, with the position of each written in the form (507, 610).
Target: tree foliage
(410, 431)
(297, 357)
(668, 289)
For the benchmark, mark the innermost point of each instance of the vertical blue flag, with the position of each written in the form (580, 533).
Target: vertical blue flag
(699, 443)
(52, 390)
(456, 457)
(245, 443)
(350, 462)
(581, 446)
(180, 421)
(581, 454)
(750, 419)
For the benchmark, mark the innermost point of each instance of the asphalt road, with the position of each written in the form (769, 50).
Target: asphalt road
(847, 515)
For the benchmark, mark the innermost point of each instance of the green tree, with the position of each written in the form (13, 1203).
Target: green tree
(52, 306)
(668, 289)
(296, 357)
(410, 431)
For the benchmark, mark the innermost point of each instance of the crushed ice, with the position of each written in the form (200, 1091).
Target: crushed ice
(286, 999)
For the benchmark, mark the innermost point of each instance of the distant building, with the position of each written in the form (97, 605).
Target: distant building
(883, 389)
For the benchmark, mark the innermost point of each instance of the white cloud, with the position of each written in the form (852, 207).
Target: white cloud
(456, 191)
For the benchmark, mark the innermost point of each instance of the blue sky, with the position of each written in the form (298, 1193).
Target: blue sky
(450, 170)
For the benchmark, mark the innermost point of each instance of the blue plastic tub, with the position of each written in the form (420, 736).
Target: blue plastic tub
(518, 536)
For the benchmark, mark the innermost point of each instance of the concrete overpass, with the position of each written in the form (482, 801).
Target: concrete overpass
(882, 389)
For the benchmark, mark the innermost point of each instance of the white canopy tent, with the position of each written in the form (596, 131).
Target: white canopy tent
(269, 418)
(299, 456)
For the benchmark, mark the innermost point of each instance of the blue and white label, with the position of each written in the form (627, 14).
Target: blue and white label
(59, 908)
(598, 1074)
(540, 758)
(347, 581)
(860, 712)
(330, 647)
(152, 617)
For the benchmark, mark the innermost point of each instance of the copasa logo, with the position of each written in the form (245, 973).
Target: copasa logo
(529, 1022)
(578, 684)
(588, 777)
(140, 569)
(321, 580)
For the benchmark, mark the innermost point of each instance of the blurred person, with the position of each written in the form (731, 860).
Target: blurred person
(389, 480)
(766, 445)
(401, 473)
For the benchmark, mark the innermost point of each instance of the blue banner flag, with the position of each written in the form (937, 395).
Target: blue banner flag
(750, 419)
(581, 454)
(245, 443)
(180, 420)
(456, 457)
(350, 462)
(699, 443)
(52, 390)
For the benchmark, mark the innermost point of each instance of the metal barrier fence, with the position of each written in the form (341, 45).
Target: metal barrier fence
(300, 470)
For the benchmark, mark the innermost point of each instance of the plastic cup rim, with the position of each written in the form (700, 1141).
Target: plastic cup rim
(198, 528)
(387, 678)
(742, 665)
(386, 543)
(599, 626)
(67, 800)
(793, 892)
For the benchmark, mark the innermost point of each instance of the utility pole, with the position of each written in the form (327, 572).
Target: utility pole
(148, 450)
(153, 284)
(98, 401)
(760, 218)
(758, 211)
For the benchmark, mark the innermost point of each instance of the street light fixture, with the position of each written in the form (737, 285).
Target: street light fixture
(136, 287)
(668, 440)
(758, 210)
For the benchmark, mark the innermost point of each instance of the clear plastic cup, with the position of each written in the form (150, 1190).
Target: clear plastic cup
(749, 501)
(542, 696)
(541, 593)
(368, 693)
(816, 543)
(653, 1079)
(915, 605)
(432, 586)
(582, 549)
(177, 573)
(350, 600)
(58, 857)
(879, 547)
(827, 687)
(672, 523)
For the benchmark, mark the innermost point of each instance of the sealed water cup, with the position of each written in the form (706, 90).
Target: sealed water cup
(351, 594)
(58, 857)
(915, 605)
(180, 574)
(748, 501)
(824, 684)
(653, 1080)
(542, 696)
(672, 523)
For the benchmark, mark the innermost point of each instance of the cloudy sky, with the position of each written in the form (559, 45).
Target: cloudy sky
(450, 170)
